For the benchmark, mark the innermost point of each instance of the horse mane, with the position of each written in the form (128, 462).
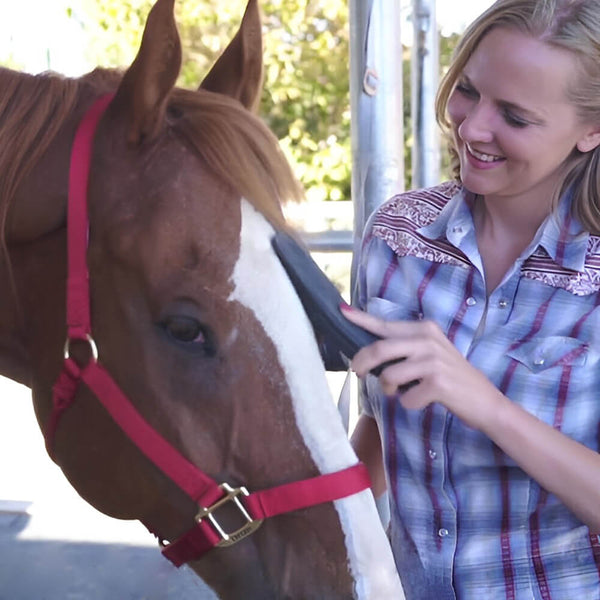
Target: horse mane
(32, 111)
(237, 146)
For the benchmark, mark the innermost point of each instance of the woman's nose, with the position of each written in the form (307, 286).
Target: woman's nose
(476, 126)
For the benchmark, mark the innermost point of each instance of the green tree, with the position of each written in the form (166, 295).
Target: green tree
(306, 93)
(305, 99)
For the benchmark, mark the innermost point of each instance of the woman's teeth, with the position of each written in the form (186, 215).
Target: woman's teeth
(488, 158)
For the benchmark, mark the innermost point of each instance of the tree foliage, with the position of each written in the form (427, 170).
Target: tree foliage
(305, 99)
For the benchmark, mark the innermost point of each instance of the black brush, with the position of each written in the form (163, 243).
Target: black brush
(322, 301)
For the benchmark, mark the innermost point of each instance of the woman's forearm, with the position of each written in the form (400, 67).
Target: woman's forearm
(367, 444)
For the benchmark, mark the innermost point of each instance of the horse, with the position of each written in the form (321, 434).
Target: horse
(136, 220)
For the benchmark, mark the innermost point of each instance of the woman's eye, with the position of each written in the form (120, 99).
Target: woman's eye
(515, 121)
(184, 329)
(466, 90)
(510, 118)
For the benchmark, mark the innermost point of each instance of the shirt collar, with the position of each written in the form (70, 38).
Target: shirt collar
(454, 221)
(561, 235)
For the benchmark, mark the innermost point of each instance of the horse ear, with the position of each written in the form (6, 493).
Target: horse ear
(238, 71)
(144, 90)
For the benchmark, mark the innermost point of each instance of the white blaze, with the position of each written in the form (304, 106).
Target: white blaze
(262, 285)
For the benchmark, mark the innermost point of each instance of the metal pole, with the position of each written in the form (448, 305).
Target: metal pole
(376, 108)
(424, 82)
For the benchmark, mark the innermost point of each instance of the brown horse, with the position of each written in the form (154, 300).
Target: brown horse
(193, 316)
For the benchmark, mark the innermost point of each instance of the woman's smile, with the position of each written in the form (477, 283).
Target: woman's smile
(482, 159)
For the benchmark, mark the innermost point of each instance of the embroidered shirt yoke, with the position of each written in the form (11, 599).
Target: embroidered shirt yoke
(466, 521)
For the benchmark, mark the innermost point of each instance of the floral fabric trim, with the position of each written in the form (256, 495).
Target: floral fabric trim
(397, 223)
(398, 220)
(540, 267)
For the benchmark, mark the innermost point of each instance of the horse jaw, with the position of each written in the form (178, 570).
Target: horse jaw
(262, 285)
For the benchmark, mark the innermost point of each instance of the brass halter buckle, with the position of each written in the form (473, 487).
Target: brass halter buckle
(231, 495)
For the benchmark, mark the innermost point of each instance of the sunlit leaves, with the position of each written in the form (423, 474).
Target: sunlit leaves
(305, 100)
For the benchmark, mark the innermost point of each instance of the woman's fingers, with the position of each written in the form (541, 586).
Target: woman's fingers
(388, 351)
(399, 340)
(364, 320)
(432, 369)
(400, 377)
(386, 329)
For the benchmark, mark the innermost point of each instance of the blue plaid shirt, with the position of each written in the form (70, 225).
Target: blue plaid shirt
(466, 521)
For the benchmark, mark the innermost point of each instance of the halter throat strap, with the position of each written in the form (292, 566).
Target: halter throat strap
(206, 532)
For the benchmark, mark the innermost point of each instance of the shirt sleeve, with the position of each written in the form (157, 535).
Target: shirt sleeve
(361, 299)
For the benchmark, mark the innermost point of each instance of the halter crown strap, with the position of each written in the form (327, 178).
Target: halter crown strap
(209, 496)
(78, 293)
(78, 290)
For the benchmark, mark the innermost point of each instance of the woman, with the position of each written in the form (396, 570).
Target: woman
(488, 287)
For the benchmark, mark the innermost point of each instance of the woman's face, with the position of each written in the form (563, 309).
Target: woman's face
(513, 123)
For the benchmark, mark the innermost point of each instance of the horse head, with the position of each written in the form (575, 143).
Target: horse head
(193, 315)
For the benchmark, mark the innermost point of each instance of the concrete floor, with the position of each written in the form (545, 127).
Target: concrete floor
(53, 545)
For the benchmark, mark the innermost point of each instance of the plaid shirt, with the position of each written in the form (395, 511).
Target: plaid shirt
(466, 521)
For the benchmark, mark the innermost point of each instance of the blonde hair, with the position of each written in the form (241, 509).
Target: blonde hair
(572, 25)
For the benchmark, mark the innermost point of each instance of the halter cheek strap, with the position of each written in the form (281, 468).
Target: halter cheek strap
(208, 494)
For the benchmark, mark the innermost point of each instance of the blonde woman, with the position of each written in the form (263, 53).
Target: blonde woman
(488, 287)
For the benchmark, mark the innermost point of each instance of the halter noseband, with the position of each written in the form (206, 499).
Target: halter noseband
(207, 532)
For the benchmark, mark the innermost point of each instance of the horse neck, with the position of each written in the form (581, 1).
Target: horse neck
(38, 116)
(14, 361)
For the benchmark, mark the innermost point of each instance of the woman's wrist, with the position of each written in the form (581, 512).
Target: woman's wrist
(495, 414)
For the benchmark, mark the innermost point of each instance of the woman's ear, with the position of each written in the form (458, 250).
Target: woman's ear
(590, 141)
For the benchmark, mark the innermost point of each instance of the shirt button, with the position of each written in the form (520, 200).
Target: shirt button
(539, 361)
(457, 229)
(443, 533)
(432, 454)
(471, 301)
(503, 303)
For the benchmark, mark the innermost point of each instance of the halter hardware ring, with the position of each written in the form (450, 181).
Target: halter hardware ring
(231, 495)
(89, 339)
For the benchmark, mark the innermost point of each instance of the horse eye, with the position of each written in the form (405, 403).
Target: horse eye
(174, 112)
(184, 329)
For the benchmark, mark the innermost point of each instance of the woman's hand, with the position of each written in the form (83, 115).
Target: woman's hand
(442, 373)
(558, 463)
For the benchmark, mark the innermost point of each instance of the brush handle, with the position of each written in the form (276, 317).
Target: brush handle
(322, 300)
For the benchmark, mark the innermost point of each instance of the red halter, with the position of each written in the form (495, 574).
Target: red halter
(206, 533)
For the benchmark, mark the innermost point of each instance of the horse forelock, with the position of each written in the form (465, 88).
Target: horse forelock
(238, 147)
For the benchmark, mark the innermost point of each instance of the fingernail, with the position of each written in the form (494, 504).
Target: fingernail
(346, 307)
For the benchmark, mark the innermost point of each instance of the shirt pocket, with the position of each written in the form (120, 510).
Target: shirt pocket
(553, 351)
